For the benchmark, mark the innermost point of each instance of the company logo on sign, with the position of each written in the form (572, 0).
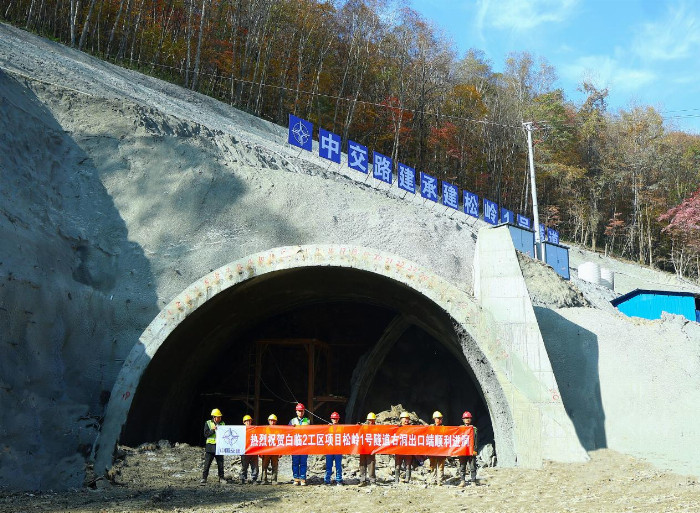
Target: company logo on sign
(300, 132)
(230, 440)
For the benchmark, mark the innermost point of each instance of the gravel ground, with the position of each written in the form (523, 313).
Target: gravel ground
(150, 479)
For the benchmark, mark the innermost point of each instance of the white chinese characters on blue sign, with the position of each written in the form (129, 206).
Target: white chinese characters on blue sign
(382, 169)
(507, 216)
(407, 178)
(300, 134)
(329, 145)
(428, 187)
(490, 212)
(358, 157)
(450, 195)
(524, 222)
(471, 204)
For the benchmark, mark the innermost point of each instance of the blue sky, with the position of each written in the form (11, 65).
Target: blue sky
(645, 52)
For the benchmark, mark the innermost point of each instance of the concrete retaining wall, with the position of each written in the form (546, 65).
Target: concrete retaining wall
(542, 427)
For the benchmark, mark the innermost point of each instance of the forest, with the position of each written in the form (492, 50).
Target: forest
(622, 182)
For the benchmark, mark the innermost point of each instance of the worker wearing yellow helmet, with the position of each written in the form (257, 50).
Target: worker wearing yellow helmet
(210, 427)
(270, 460)
(248, 460)
(368, 461)
(437, 463)
(400, 459)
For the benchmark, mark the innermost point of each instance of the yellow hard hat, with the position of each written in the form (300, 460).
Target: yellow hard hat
(371, 416)
(404, 415)
(216, 412)
(247, 417)
(272, 417)
(437, 415)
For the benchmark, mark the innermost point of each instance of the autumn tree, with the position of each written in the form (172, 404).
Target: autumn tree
(684, 227)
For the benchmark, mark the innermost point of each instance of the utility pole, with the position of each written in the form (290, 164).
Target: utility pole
(535, 213)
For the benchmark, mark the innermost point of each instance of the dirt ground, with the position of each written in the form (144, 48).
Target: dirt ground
(153, 479)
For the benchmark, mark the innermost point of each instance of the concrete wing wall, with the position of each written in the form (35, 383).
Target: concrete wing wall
(543, 430)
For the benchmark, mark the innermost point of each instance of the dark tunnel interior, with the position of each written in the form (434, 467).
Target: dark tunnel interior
(274, 322)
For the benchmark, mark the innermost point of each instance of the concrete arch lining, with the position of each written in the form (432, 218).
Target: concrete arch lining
(468, 323)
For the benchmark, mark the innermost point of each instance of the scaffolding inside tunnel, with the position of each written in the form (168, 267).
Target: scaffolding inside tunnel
(314, 349)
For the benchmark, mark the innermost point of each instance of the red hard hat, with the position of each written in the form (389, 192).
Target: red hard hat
(466, 415)
(300, 407)
(335, 415)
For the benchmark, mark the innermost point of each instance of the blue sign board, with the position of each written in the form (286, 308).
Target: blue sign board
(471, 204)
(428, 187)
(300, 132)
(382, 169)
(358, 157)
(524, 222)
(490, 212)
(450, 195)
(329, 145)
(407, 178)
(507, 216)
(552, 235)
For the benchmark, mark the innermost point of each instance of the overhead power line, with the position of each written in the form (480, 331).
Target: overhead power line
(329, 96)
(537, 124)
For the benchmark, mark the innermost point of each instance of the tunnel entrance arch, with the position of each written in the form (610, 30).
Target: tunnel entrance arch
(414, 308)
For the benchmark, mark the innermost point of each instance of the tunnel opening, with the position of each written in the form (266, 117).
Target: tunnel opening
(375, 342)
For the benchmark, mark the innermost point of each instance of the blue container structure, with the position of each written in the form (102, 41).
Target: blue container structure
(557, 257)
(523, 240)
(650, 304)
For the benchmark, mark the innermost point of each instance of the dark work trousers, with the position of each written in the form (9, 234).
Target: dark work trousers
(398, 460)
(252, 462)
(467, 463)
(367, 468)
(209, 456)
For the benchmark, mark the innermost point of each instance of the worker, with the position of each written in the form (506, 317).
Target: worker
(249, 460)
(437, 463)
(299, 461)
(272, 460)
(210, 447)
(368, 461)
(332, 459)
(399, 459)
(468, 461)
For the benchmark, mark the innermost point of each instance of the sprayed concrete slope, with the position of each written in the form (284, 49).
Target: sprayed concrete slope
(119, 192)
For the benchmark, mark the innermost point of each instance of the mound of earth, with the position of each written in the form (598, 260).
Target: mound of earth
(546, 287)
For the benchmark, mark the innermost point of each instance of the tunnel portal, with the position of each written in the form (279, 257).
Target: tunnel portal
(371, 341)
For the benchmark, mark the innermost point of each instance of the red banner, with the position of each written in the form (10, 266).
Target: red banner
(361, 439)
